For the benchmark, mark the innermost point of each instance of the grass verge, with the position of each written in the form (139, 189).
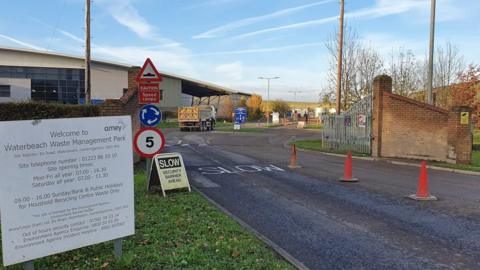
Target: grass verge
(247, 130)
(174, 124)
(476, 140)
(169, 124)
(474, 166)
(182, 231)
(312, 126)
(316, 145)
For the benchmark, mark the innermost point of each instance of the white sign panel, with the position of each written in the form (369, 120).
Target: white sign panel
(275, 118)
(65, 184)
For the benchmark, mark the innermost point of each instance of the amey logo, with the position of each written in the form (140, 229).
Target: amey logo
(118, 127)
(113, 128)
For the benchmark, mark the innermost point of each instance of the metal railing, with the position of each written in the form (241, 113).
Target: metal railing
(351, 130)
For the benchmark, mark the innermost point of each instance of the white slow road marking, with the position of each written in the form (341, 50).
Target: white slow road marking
(185, 144)
(240, 169)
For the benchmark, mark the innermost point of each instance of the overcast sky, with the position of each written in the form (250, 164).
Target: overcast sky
(233, 42)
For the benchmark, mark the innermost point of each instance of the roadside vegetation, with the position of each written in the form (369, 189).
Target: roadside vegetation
(476, 140)
(174, 124)
(181, 231)
(245, 130)
(475, 166)
(168, 124)
(316, 145)
(313, 126)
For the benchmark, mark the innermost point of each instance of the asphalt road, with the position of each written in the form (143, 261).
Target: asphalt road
(326, 224)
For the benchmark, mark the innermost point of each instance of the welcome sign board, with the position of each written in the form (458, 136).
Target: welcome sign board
(65, 184)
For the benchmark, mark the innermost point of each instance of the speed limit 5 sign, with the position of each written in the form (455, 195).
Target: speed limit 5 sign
(148, 142)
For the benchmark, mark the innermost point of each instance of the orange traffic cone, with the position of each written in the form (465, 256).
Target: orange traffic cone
(422, 190)
(347, 174)
(293, 158)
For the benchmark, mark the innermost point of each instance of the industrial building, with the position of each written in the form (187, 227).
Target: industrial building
(54, 77)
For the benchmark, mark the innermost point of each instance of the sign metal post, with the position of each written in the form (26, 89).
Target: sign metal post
(28, 265)
(117, 246)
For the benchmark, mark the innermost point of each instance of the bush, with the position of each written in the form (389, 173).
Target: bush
(169, 115)
(37, 110)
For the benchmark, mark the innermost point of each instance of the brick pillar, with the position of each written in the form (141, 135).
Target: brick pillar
(460, 137)
(381, 84)
(132, 74)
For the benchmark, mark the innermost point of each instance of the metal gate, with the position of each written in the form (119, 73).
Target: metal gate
(351, 130)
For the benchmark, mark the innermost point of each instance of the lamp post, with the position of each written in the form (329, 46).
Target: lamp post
(268, 95)
(430, 55)
(295, 92)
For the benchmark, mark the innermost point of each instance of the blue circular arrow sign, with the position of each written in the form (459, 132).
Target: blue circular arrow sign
(150, 115)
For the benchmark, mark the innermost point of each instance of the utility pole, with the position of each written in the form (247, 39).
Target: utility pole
(295, 94)
(430, 57)
(340, 57)
(268, 95)
(88, 84)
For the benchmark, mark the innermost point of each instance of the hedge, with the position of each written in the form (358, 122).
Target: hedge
(37, 110)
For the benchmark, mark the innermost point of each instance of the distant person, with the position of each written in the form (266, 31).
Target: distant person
(306, 117)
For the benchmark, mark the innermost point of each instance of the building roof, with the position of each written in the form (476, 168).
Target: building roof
(199, 88)
(50, 53)
(190, 86)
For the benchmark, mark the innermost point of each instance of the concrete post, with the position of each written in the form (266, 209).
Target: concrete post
(381, 84)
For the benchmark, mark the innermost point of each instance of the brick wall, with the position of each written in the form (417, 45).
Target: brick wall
(126, 105)
(132, 74)
(406, 128)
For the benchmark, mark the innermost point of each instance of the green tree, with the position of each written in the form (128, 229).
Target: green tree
(279, 106)
(254, 107)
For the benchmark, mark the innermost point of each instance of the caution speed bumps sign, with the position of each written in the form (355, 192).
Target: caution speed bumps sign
(168, 172)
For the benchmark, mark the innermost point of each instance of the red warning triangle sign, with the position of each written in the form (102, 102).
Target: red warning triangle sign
(148, 73)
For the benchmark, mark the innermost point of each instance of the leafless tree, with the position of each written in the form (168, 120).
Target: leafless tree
(449, 63)
(360, 65)
(406, 72)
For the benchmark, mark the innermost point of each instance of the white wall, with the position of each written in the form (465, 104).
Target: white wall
(172, 93)
(108, 82)
(19, 89)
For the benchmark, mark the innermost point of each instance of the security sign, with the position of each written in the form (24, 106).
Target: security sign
(148, 142)
(464, 118)
(150, 115)
(168, 172)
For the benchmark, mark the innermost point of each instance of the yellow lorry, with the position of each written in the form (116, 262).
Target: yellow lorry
(200, 118)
